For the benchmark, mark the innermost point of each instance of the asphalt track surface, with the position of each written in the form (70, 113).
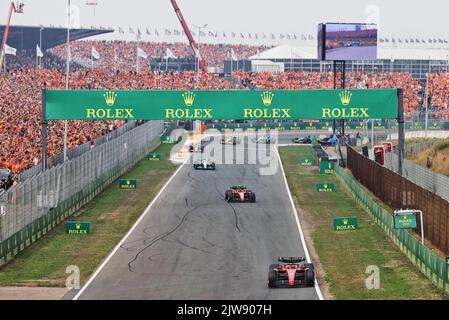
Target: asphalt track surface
(192, 244)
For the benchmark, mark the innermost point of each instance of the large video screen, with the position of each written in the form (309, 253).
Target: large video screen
(347, 41)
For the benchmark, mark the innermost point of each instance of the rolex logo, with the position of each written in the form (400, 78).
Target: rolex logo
(325, 186)
(109, 97)
(78, 226)
(188, 97)
(128, 182)
(345, 221)
(345, 97)
(267, 98)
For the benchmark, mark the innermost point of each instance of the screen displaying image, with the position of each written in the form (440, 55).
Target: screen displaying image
(346, 41)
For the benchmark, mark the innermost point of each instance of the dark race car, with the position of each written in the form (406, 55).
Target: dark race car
(196, 147)
(240, 194)
(229, 140)
(327, 142)
(305, 140)
(204, 164)
(291, 272)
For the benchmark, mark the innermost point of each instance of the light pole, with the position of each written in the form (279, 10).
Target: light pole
(67, 75)
(198, 58)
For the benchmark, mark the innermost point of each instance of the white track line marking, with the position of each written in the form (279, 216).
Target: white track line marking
(301, 234)
(126, 236)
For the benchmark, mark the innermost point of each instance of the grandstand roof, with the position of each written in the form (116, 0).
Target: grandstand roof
(284, 52)
(26, 37)
(287, 52)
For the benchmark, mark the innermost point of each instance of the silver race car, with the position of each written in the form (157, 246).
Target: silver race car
(204, 164)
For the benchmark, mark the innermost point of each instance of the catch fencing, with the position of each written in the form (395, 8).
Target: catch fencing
(77, 151)
(37, 205)
(400, 193)
(428, 262)
(424, 177)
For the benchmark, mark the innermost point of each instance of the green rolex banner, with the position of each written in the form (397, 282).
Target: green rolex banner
(306, 162)
(220, 104)
(128, 183)
(327, 167)
(168, 140)
(154, 156)
(325, 187)
(344, 224)
(405, 220)
(76, 227)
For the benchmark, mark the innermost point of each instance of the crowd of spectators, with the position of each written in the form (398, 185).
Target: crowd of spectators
(20, 92)
(325, 80)
(438, 89)
(121, 55)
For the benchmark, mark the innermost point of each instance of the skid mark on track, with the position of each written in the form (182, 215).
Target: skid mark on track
(191, 247)
(156, 239)
(236, 218)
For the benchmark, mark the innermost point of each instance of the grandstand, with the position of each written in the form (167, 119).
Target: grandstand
(418, 61)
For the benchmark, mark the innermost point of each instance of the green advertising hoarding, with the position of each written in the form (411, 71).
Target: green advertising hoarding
(77, 227)
(306, 162)
(405, 220)
(154, 156)
(327, 167)
(128, 183)
(169, 140)
(220, 104)
(345, 224)
(325, 187)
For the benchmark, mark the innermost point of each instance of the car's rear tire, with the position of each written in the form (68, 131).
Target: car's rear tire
(195, 166)
(271, 276)
(213, 166)
(252, 197)
(310, 277)
(229, 196)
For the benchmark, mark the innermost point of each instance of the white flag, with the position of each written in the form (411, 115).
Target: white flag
(10, 50)
(95, 54)
(233, 56)
(39, 52)
(170, 55)
(141, 53)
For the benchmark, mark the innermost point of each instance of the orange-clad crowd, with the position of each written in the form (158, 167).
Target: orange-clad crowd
(20, 96)
(325, 80)
(122, 55)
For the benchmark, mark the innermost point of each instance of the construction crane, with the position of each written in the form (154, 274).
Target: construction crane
(193, 44)
(13, 8)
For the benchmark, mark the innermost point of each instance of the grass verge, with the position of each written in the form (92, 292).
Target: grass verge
(112, 213)
(346, 255)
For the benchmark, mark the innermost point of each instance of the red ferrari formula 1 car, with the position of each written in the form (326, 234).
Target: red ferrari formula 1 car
(240, 194)
(291, 272)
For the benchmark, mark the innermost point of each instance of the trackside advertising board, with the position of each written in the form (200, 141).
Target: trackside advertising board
(345, 224)
(405, 220)
(221, 104)
(128, 183)
(77, 227)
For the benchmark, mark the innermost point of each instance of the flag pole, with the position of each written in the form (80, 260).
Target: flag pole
(67, 76)
(137, 62)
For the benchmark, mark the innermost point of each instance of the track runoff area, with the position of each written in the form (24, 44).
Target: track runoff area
(191, 243)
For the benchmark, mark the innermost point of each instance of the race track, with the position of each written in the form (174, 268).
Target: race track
(192, 244)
